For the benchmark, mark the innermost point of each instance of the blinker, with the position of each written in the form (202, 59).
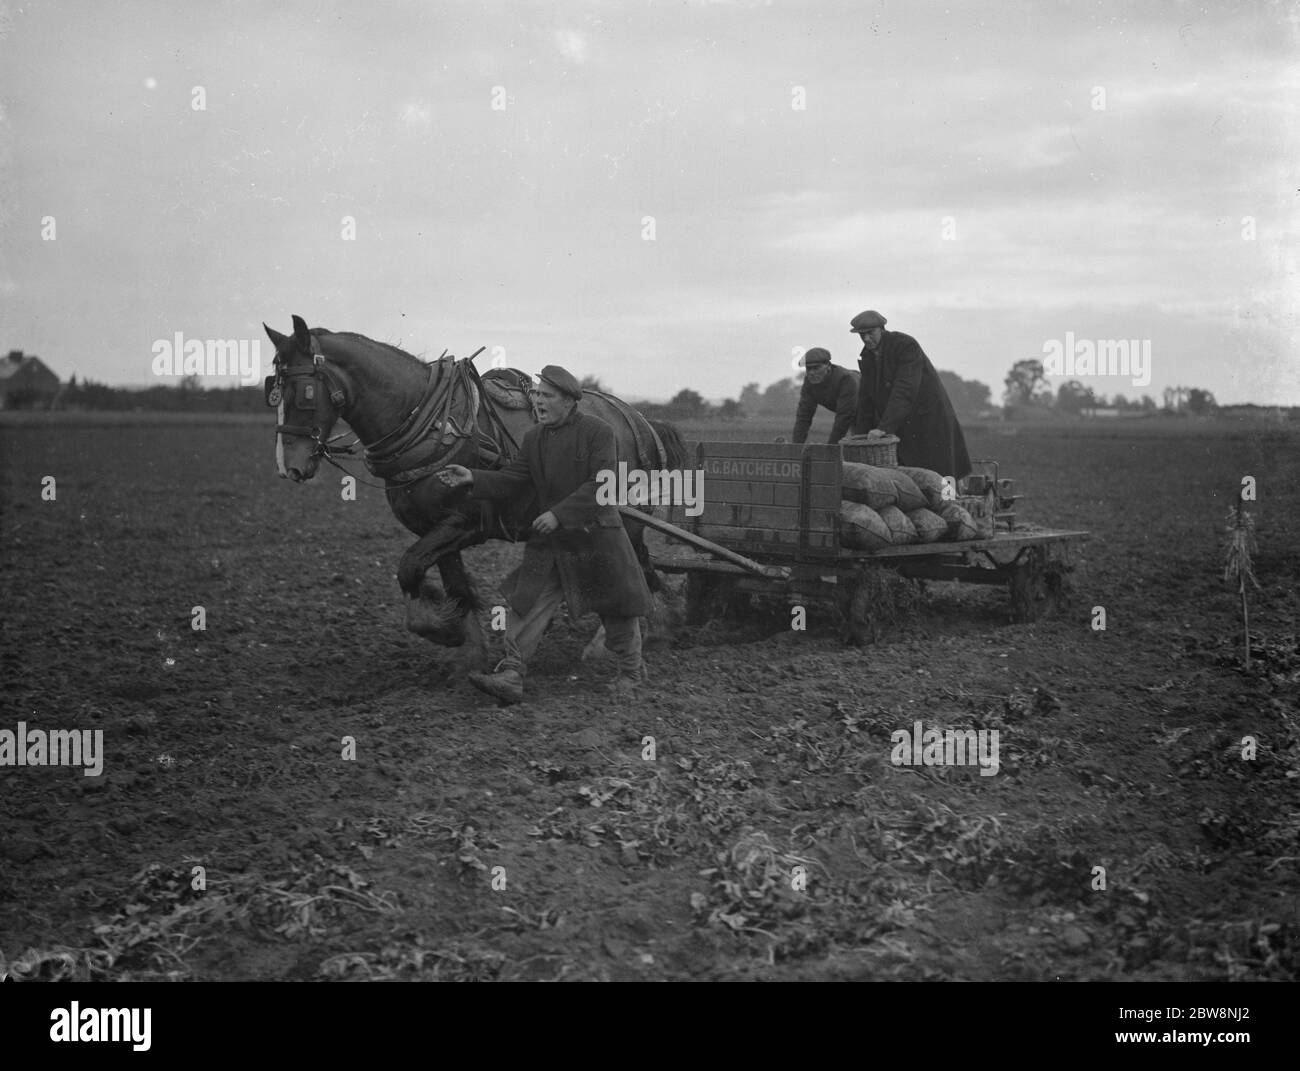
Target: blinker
(271, 387)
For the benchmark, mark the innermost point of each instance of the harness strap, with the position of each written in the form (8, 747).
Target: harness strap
(412, 430)
(440, 448)
(431, 431)
(506, 446)
(639, 426)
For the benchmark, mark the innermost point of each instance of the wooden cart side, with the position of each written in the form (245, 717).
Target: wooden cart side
(768, 498)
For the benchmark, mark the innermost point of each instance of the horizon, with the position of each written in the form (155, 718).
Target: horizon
(1104, 401)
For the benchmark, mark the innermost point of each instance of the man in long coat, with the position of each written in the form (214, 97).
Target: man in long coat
(827, 385)
(579, 552)
(901, 394)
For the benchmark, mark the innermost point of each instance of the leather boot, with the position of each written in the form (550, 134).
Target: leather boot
(506, 686)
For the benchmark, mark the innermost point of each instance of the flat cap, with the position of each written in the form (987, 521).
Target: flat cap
(816, 355)
(864, 321)
(562, 380)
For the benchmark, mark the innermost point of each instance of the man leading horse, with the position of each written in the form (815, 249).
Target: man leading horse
(416, 419)
(578, 553)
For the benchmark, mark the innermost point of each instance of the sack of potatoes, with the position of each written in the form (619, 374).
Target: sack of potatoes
(861, 527)
(929, 483)
(881, 487)
(961, 525)
(901, 530)
(930, 527)
(868, 485)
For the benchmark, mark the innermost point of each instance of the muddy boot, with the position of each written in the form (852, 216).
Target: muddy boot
(506, 685)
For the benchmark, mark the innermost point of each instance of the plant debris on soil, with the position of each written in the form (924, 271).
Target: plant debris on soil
(740, 818)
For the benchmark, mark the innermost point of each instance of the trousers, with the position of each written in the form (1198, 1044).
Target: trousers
(524, 633)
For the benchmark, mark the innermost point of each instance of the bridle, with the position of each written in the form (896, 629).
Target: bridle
(316, 390)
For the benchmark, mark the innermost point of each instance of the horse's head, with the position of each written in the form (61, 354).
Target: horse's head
(307, 401)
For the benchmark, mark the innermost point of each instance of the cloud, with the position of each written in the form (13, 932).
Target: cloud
(572, 45)
(417, 113)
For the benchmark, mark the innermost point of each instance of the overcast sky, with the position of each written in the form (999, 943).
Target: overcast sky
(989, 176)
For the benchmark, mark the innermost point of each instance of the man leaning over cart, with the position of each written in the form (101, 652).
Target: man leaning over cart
(829, 386)
(579, 552)
(901, 394)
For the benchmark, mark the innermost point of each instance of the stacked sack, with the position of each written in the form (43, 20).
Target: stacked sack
(886, 507)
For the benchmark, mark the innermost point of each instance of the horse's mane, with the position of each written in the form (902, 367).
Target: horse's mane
(372, 342)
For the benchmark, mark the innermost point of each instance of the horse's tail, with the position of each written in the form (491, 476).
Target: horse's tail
(671, 440)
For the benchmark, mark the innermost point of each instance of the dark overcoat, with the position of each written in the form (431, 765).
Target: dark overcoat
(597, 565)
(901, 393)
(838, 392)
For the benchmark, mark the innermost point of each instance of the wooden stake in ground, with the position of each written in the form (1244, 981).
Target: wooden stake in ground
(1239, 546)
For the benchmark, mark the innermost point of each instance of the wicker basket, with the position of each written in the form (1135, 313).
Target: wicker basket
(881, 452)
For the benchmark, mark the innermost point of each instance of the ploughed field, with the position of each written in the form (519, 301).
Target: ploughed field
(767, 836)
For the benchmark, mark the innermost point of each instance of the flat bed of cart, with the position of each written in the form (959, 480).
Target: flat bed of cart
(769, 522)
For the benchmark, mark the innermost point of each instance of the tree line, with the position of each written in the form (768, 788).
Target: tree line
(187, 395)
(1026, 390)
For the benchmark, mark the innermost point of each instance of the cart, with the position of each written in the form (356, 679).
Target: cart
(770, 524)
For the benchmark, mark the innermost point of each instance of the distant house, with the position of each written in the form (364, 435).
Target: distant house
(25, 382)
(1101, 412)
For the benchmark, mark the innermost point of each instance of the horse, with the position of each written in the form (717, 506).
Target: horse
(414, 418)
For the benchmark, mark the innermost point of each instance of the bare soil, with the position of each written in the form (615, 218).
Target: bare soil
(469, 841)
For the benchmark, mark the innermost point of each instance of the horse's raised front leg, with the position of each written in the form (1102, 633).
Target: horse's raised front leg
(437, 610)
(425, 552)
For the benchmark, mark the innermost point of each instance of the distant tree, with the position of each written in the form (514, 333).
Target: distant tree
(731, 410)
(1026, 384)
(1073, 397)
(969, 397)
(1148, 404)
(101, 396)
(1121, 402)
(751, 398)
(780, 398)
(590, 382)
(1200, 401)
(688, 403)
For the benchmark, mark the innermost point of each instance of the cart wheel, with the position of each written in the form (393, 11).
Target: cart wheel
(1038, 586)
(708, 597)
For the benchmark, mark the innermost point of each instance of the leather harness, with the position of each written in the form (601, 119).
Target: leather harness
(419, 445)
